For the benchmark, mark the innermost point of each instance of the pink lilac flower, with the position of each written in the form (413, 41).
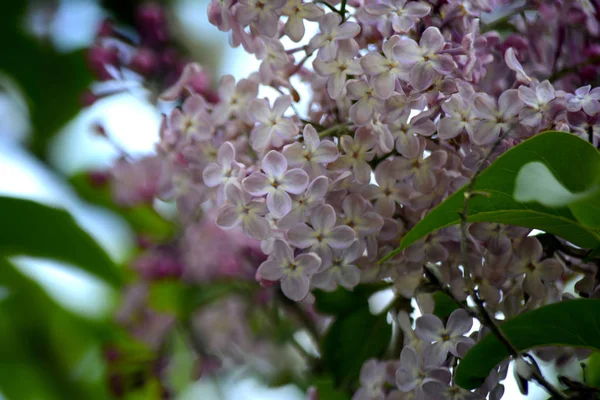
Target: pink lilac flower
(304, 203)
(322, 236)
(193, 120)
(405, 133)
(586, 99)
(419, 170)
(332, 31)
(277, 182)
(400, 14)
(458, 114)
(264, 14)
(388, 193)
(424, 59)
(293, 272)
(340, 269)
(538, 273)
(225, 171)
(234, 98)
(338, 69)
(537, 100)
(313, 155)
(273, 128)
(448, 339)
(297, 12)
(495, 117)
(368, 102)
(513, 63)
(417, 369)
(359, 215)
(357, 153)
(242, 210)
(384, 69)
(372, 380)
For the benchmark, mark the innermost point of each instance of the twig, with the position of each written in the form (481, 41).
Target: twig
(484, 317)
(343, 10)
(332, 8)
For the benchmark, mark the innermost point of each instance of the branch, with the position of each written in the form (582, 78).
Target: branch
(484, 317)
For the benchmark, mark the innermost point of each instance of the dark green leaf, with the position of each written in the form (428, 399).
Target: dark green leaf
(573, 323)
(557, 150)
(592, 370)
(52, 82)
(34, 229)
(342, 301)
(143, 219)
(444, 305)
(326, 390)
(351, 340)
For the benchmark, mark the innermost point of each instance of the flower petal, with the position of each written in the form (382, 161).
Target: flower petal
(279, 203)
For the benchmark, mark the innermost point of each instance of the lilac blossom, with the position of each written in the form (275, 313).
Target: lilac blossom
(313, 155)
(304, 203)
(458, 114)
(273, 128)
(322, 236)
(242, 210)
(372, 379)
(340, 269)
(584, 98)
(359, 215)
(538, 273)
(225, 171)
(368, 102)
(417, 369)
(448, 339)
(384, 69)
(293, 272)
(277, 182)
(193, 120)
(264, 14)
(338, 69)
(357, 153)
(400, 14)
(332, 31)
(234, 98)
(424, 59)
(495, 117)
(297, 11)
(537, 100)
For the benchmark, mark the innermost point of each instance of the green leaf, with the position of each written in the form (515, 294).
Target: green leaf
(34, 229)
(444, 305)
(143, 219)
(342, 301)
(556, 150)
(573, 323)
(52, 82)
(352, 339)
(327, 390)
(592, 370)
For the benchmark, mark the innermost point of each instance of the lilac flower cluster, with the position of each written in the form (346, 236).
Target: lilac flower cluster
(407, 99)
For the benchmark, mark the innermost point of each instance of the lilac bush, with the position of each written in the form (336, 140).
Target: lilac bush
(408, 101)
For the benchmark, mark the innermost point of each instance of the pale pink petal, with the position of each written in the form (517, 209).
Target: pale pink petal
(294, 181)
(326, 153)
(295, 287)
(256, 227)
(459, 322)
(271, 270)
(212, 175)
(274, 164)
(323, 218)
(258, 110)
(279, 203)
(282, 103)
(301, 236)
(429, 328)
(309, 262)
(294, 27)
(318, 188)
(374, 64)
(257, 184)
(341, 237)
(407, 52)
(485, 132)
(421, 76)
(449, 127)
(432, 40)
(347, 30)
(228, 218)
(294, 153)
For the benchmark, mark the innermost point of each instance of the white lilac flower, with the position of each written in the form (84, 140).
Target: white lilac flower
(332, 31)
(495, 117)
(272, 127)
(242, 210)
(313, 154)
(448, 339)
(323, 235)
(298, 11)
(340, 269)
(384, 69)
(537, 100)
(338, 69)
(277, 182)
(584, 98)
(293, 272)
